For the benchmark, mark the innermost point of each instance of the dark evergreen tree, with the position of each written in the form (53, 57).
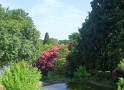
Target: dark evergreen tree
(46, 38)
(100, 45)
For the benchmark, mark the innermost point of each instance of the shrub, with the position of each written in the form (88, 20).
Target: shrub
(121, 79)
(63, 51)
(121, 84)
(81, 73)
(60, 63)
(121, 65)
(20, 76)
(57, 77)
(52, 76)
(73, 60)
(45, 62)
(58, 66)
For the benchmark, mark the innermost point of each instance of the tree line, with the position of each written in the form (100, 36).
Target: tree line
(101, 41)
(19, 38)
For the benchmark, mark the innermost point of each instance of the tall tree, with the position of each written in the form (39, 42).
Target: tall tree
(19, 38)
(46, 38)
(101, 35)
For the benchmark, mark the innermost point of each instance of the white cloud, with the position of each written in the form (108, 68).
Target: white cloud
(56, 17)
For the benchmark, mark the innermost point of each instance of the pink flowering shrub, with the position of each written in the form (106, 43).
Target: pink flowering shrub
(115, 73)
(45, 62)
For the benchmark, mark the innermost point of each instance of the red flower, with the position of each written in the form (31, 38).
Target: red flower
(44, 63)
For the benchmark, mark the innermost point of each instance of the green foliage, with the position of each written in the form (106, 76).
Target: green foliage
(121, 84)
(58, 71)
(46, 38)
(53, 41)
(81, 72)
(115, 55)
(53, 76)
(63, 51)
(58, 63)
(100, 45)
(74, 36)
(65, 41)
(121, 79)
(121, 65)
(74, 62)
(20, 76)
(58, 66)
(19, 38)
(46, 46)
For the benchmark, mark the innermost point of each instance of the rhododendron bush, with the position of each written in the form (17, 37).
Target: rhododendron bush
(45, 62)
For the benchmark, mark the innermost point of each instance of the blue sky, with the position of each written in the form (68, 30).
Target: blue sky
(59, 18)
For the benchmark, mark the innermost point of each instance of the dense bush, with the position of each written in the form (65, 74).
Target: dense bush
(63, 51)
(58, 71)
(20, 76)
(19, 38)
(118, 71)
(121, 79)
(45, 62)
(121, 84)
(81, 72)
(73, 60)
(59, 63)
(52, 76)
(58, 66)
(121, 65)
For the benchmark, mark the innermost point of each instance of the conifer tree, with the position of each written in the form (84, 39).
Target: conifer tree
(46, 38)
